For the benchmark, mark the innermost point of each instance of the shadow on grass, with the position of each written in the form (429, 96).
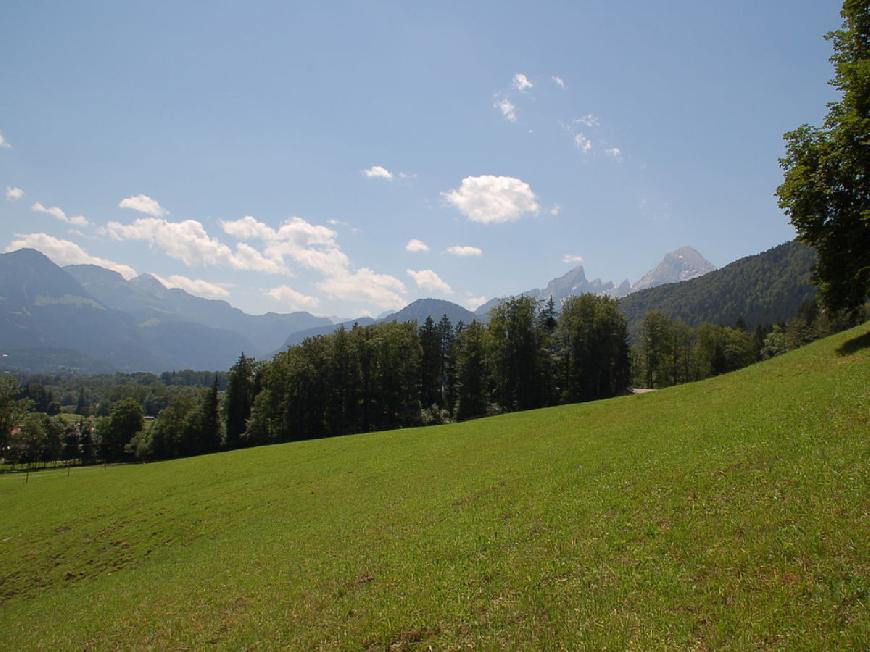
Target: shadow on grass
(854, 345)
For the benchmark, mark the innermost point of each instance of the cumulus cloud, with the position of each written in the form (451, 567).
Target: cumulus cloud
(582, 142)
(65, 252)
(188, 242)
(490, 199)
(507, 108)
(143, 204)
(464, 250)
(4, 144)
(293, 299)
(426, 279)
(58, 214)
(572, 259)
(315, 247)
(521, 82)
(309, 245)
(196, 286)
(365, 285)
(614, 152)
(416, 246)
(13, 193)
(558, 81)
(378, 172)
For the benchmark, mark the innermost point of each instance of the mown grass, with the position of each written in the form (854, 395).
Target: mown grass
(732, 513)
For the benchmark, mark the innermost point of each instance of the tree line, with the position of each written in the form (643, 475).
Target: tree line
(394, 375)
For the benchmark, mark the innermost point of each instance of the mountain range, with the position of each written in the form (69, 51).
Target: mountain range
(90, 319)
(681, 265)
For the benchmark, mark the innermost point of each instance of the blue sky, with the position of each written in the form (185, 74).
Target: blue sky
(283, 156)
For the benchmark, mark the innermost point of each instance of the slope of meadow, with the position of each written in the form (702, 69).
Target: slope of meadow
(733, 512)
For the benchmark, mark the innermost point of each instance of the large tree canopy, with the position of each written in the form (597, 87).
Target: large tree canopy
(825, 191)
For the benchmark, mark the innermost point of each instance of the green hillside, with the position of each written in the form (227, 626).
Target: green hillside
(762, 289)
(729, 513)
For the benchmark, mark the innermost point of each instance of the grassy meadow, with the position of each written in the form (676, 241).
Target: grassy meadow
(730, 513)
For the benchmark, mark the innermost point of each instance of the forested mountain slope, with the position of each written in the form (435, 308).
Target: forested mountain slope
(762, 289)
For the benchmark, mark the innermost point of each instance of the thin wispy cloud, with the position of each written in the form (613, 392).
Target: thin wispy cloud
(58, 214)
(464, 250)
(558, 81)
(521, 82)
(13, 193)
(195, 286)
(614, 152)
(507, 109)
(582, 142)
(572, 259)
(588, 120)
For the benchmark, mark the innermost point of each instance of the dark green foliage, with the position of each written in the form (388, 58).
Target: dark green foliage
(115, 432)
(238, 399)
(669, 352)
(471, 373)
(352, 381)
(825, 192)
(514, 346)
(763, 289)
(430, 363)
(12, 407)
(593, 338)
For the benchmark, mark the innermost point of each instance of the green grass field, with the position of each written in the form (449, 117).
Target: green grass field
(732, 513)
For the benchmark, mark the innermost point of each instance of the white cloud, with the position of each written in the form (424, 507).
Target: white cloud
(143, 204)
(293, 299)
(65, 252)
(558, 81)
(489, 199)
(555, 210)
(614, 152)
(507, 108)
(572, 259)
(407, 175)
(416, 246)
(378, 172)
(310, 245)
(588, 120)
(364, 285)
(463, 250)
(58, 214)
(195, 286)
(521, 82)
(188, 242)
(315, 247)
(4, 144)
(472, 302)
(426, 279)
(13, 193)
(582, 142)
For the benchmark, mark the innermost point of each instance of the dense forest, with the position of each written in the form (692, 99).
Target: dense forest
(383, 376)
(766, 288)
